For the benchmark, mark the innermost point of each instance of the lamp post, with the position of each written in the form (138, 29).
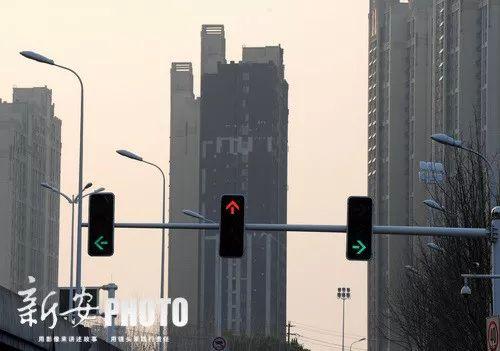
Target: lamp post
(135, 157)
(362, 339)
(40, 58)
(343, 294)
(72, 200)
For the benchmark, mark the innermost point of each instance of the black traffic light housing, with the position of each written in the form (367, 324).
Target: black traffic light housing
(232, 226)
(359, 228)
(101, 224)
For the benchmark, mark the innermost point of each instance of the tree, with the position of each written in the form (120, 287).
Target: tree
(427, 312)
(261, 343)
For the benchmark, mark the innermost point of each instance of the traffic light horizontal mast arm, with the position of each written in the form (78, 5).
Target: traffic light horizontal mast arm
(393, 230)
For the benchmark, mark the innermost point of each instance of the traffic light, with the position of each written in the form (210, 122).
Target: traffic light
(359, 228)
(101, 224)
(232, 226)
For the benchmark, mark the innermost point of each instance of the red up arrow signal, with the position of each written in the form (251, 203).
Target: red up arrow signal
(231, 206)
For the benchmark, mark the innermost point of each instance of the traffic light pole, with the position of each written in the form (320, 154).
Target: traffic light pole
(495, 258)
(394, 230)
(476, 233)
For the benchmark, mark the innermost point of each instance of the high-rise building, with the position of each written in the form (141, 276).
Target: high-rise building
(30, 153)
(431, 70)
(243, 136)
(231, 140)
(183, 258)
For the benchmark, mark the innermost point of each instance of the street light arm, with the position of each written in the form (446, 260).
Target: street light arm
(76, 74)
(490, 166)
(93, 192)
(197, 215)
(157, 167)
(47, 186)
(64, 195)
(362, 339)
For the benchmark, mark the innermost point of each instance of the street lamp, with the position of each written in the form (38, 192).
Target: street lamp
(446, 140)
(135, 157)
(72, 200)
(197, 215)
(449, 141)
(343, 294)
(466, 288)
(435, 247)
(433, 204)
(40, 58)
(362, 339)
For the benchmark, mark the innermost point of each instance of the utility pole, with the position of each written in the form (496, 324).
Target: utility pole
(289, 326)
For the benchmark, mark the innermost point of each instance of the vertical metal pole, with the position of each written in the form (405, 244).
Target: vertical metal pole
(162, 278)
(111, 289)
(71, 285)
(218, 295)
(343, 322)
(495, 258)
(80, 187)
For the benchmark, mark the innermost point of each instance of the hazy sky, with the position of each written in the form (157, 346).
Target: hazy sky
(123, 50)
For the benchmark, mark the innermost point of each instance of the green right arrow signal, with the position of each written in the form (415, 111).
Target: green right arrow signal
(99, 243)
(361, 247)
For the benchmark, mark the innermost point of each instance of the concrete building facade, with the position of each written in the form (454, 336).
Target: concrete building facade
(430, 70)
(30, 153)
(183, 258)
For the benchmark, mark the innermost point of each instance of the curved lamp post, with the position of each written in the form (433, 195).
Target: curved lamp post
(135, 157)
(450, 141)
(40, 58)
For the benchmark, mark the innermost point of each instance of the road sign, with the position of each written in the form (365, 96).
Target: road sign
(232, 226)
(64, 294)
(359, 228)
(219, 343)
(101, 224)
(492, 333)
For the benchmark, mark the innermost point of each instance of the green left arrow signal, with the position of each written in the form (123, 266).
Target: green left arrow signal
(99, 242)
(360, 247)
